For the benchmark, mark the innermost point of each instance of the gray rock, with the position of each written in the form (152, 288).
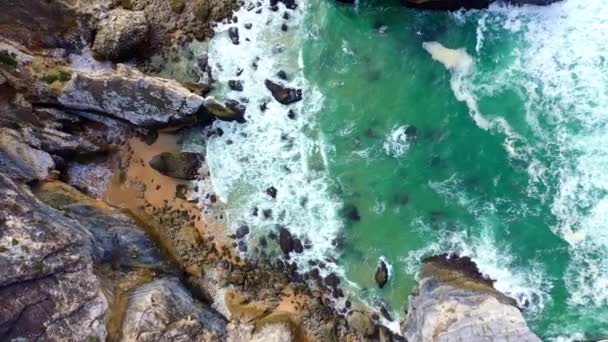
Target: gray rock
(454, 303)
(277, 332)
(381, 275)
(120, 35)
(20, 161)
(48, 286)
(361, 322)
(164, 310)
(129, 95)
(181, 165)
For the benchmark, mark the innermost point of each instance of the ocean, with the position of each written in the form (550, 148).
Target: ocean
(481, 133)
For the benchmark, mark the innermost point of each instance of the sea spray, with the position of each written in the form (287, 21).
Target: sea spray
(278, 147)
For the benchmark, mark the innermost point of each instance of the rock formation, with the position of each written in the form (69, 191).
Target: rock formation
(454, 302)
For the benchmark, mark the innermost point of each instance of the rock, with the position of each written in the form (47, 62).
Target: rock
(49, 287)
(164, 310)
(231, 111)
(233, 32)
(361, 323)
(181, 165)
(20, 161)
(455, 303)
(346, 1)
(284, 27)
(285, 241)
(272, 192)
(291, 114)
(282, 75)
(58, 142)
(381, 275)
(242, 231)
(297, 246)
(275, 332)
(351, 212)
(120, 35)
(291, 4)
(129, 95)
(332, 280)
(248, 26)
(283, 94)
(235, 85)
(411, 132)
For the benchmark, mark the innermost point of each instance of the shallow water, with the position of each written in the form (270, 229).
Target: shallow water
(481, 133)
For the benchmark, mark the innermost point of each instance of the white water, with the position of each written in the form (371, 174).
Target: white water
(271, 149)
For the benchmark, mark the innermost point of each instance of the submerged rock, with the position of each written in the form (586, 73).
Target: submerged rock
(454, 302)
(235, 85)
(120, 35)
(283, 94)
(181, 165)
(381, 275)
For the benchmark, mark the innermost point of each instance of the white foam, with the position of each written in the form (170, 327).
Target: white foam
(271, 149)
(453, 59)
(396, 143)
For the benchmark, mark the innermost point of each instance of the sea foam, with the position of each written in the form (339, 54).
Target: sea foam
(273, 148)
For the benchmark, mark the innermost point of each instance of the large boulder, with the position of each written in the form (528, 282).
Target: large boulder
(19, 160)
(454, 302)
(164, 310)
(181, 165)
(283, 94)
(48, 286)
(381, 275)
(120, 35)
(128, 94)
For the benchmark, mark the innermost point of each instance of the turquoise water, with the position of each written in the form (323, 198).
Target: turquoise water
(500, 156)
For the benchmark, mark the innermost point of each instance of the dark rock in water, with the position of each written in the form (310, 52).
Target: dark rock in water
(233, 32)
(242, 246)
(272, 192)
(411, 132)
(286, 16)
(248, 26)
(385, 313)
(267, 213)
(239, 71)
(463, 265)
(285, 241)
(381, 274)
(264, 106)
(282, 75)
(291, 114)
(237, 108)
(235, 85)
(402, 198)
(263, 242)
(182, 165)
(346, 1)
(351, 212)
(255, 211)
(291, 4)
(297, 246)
(284, 27)
(332, 280)
(242, 231)
(283, 94)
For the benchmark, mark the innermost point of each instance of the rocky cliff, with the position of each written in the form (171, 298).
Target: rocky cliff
(454, 302)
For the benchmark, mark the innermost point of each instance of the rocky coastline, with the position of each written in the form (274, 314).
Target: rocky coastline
(101, 234)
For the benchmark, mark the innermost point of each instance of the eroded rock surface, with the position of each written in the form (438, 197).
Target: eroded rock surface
(164, 310)
(48, 286)
(455, 303)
